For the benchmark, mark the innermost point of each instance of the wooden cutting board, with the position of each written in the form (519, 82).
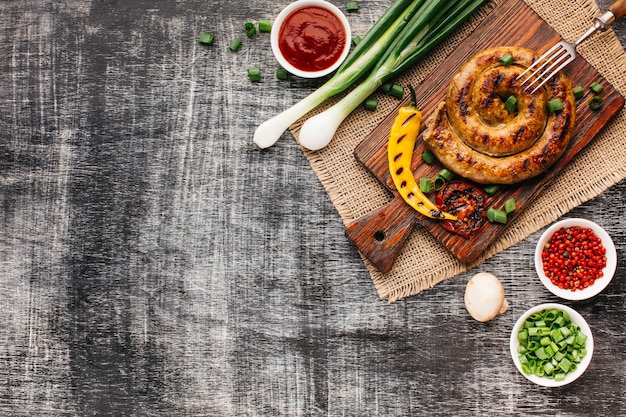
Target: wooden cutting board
(380, 235)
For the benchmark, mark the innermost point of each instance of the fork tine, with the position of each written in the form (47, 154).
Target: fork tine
(568, 58)
(545, 57)
(546, 66)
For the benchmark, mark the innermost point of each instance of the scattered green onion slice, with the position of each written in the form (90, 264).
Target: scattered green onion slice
(206, 38)
(356, 40)
(235, 44)
(397, 91)
(249, 28)
(254, 74)
(555, 105)
(491, 189)
(265, 25)
(511, 104)
(427, 156)
(371, 103)
(595, 103)
(425, 185)
(282, 74)
(509, 205)
(552, 346)
(446, 174)
(386, 88)
(596, 88)
(506, 60)
(352, 6)
(496, 216)
(438, 183)
(578, 92)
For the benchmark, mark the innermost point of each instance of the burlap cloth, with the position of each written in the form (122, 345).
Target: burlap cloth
(423, 262)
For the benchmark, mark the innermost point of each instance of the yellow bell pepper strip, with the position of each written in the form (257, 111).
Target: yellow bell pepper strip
(402, 139)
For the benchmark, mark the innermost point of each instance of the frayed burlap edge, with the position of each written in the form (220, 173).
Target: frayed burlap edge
(423, 263)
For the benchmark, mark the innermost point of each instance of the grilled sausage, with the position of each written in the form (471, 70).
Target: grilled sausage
(474, 135)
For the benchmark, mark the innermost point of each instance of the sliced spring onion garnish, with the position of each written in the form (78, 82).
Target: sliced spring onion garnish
(596, 88)
(282, 74)
(491, 189)
(352, 6)
(595, 103)
(371, 103)
(249, 28)
(254, 74)
(265, 25)
(511, 104)
(555, 105)
(506, 60)
(206, 38)
(425, 185)
(579, 92)
(427, 156)
(510, 205)
(496, 216)
(235, 44)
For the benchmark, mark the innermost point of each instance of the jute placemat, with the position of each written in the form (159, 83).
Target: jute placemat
(423, 262)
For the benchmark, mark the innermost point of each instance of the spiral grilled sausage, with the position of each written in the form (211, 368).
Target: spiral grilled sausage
(474, 135)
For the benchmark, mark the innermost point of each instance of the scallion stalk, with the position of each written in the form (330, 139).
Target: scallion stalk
(417, 38)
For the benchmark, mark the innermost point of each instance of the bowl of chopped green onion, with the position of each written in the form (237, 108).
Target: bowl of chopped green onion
(551, 345)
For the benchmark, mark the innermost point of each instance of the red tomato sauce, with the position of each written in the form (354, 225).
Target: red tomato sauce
(312, 38)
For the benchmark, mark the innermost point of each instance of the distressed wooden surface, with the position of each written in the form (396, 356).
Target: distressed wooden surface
(154, 262)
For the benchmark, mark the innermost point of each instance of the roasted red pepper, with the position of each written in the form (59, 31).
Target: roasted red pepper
(465, 201)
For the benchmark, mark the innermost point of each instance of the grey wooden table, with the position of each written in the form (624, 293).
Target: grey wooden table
(153, 261)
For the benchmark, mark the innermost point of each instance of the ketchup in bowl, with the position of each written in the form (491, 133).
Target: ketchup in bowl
(312, 38)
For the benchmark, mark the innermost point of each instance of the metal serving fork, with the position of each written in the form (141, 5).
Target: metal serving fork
(561, 54)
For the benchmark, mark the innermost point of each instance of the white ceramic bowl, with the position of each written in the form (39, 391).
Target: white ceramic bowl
(601, 283)
(576, 319)
(278, 22)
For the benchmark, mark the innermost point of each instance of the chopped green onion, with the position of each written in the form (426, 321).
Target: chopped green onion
(596, 88)
(427, 156)
(397, 91)
(282, 74)
(438, 183)
(499, 216)
(352, 6)
(265, 26)
(249, 28)
(546, 354)
(446, 174)
(371, 103)
(491, 189)
(579, 92)
(506, 60)
(425, 185)
(206, 38)
(254, 74)
(509, 205)
(235, 44)
(555, 105)
(356, 40)
(511, 104)
(595, 103)
(386, 88)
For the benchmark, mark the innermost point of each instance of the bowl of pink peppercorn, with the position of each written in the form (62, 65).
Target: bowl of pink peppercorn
(575, 259)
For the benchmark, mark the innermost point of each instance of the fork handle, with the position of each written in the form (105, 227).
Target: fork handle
(618, 8)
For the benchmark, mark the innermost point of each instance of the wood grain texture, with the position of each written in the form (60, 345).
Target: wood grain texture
(514, 23)
(153, 262)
